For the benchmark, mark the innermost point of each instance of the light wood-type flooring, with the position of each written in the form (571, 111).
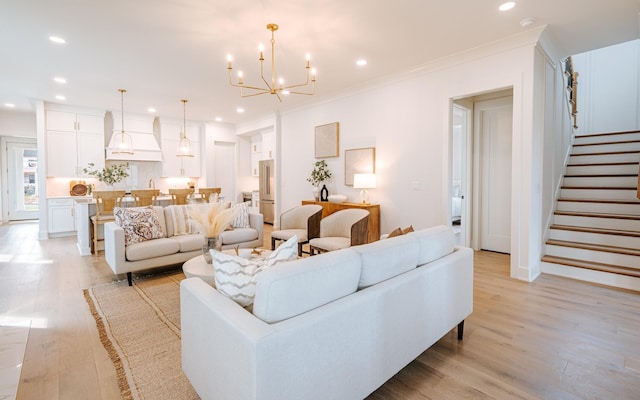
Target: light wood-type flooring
(554, 338)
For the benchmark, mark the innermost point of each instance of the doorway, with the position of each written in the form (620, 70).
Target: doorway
(481, 171)
(21, 176)
(225, 169)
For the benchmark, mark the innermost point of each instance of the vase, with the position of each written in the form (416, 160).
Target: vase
(324, 193)
(316, 193)
(211, 243)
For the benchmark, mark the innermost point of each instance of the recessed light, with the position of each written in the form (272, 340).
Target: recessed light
(60, 97)
(361, 62)
(57, 39)
(59, 79)
(507, 6)
(240, 110)
(151, 109)
(9, 105)
(527, 22)
(218, 119)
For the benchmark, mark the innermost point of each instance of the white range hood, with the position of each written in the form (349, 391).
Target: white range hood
(145, 148)
(140, 128)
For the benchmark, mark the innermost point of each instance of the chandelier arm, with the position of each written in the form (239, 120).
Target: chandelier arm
(269, 88)
(253, 94)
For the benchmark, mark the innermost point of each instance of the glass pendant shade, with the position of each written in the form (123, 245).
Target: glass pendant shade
(184, 145)
(123, 142)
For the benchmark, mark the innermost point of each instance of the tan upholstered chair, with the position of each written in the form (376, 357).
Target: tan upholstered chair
(180, 196)
(145, 197)
(303, 221)
(341, 229)
(207, 192)
(106, 200)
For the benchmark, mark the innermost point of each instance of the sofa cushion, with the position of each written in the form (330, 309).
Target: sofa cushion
(188, 243)
(296, 287)
(241, 220)
(139, 224)
(151, 249)
(385, 259)
(236, 276)
(434, 243)
(239, 235)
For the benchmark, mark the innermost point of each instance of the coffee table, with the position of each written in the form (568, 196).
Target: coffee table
(197, 267)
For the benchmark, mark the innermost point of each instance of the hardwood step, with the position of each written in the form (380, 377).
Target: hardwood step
(590, 193)
(592, 265)
(599, 236)
(600, 181)
(595, 247)
(628, 168)
(601, 206)
(598, 158)
(597, 220)
(610, 147)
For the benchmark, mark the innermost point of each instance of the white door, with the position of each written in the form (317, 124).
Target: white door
(22, 162)
(461, 162)
(225, 169)
(494, 121)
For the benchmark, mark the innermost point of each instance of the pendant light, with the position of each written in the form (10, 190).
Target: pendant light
(123, 143)
(184, 146)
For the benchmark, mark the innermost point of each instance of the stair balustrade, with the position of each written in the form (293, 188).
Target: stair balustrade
(572, 87)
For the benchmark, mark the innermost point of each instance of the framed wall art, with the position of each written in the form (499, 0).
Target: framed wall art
(327, 140)
(358, 161)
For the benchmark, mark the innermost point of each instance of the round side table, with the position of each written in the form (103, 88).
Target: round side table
(197, 267)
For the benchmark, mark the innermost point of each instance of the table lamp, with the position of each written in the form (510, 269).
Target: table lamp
(364, 182)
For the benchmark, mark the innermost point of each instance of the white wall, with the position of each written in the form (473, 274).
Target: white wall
(408, 122)
(608, 88)
(17, 123)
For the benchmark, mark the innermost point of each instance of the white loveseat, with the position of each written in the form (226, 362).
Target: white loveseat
(171, 249)
(332, 326)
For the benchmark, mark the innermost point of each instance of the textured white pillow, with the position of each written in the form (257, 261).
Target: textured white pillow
(139, 224)
(181, 219)
(241, 219)
(236, 276)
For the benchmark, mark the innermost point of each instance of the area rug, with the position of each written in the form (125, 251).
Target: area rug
(139, 326)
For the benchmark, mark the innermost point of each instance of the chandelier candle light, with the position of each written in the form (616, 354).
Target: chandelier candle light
(278, 88)
(124, 145)
(184, 146)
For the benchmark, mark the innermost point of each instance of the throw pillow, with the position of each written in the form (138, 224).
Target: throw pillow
(236, 277)
(182, 224)
(139, 224)
(395, 232)
(407, 229)
(241, 219)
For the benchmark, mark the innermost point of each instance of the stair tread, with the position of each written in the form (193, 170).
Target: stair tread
(596, 247)
(605, 143)
(598, 215)
(603, 188)
(629, 271)
(617, 232)
(602, 176)
(606, 201)
(603, 153)
(601, 164)
(601, 134)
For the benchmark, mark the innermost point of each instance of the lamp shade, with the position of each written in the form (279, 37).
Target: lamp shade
(364, 181)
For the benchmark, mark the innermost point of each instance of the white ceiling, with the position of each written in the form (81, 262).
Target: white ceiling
(164, 50)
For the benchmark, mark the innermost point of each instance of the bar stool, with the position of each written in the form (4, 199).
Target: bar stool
(145, 197)
(106, 201)
(180, 196)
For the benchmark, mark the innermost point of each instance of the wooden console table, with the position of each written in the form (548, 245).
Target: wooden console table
(373, 228)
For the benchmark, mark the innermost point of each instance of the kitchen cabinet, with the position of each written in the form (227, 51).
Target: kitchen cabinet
(262, 148)
(73, 141)
(61, 215)
(180, 166)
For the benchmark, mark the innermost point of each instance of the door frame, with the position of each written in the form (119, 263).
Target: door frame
(4, 176)
(466, 154)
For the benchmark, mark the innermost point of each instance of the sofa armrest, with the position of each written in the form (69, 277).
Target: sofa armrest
(114, 247)
(256, 221)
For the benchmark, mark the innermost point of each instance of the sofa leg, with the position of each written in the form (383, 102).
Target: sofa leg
(460, 330)
(129, 278)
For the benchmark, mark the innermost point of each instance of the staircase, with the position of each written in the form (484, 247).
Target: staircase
(595, 234)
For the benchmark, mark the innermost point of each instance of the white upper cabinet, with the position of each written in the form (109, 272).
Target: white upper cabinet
(173, 166)
(262, 148)
(73, 141)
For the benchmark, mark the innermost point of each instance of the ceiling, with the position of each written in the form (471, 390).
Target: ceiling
(162, 51)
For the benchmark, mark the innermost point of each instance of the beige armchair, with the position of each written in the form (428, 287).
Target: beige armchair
(341, 229)
(303, 221)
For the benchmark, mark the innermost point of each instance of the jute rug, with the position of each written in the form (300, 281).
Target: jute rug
(140, 328)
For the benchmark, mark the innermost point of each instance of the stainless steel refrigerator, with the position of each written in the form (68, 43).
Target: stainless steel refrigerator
(267, 190)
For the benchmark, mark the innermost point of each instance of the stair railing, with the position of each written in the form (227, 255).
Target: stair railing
(572, 87)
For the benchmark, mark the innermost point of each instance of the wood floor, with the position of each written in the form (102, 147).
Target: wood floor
(551, 339)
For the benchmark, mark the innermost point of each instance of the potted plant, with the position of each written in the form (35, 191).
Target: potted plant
(110, 175)
(319, 174)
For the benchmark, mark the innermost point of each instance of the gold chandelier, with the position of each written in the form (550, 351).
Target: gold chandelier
(123, 143)
(184, 146)
(272, 87)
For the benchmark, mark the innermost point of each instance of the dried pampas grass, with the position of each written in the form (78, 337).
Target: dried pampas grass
(212, 218)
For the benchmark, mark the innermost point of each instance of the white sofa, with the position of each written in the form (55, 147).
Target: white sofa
(170, 249)
(332, 326)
